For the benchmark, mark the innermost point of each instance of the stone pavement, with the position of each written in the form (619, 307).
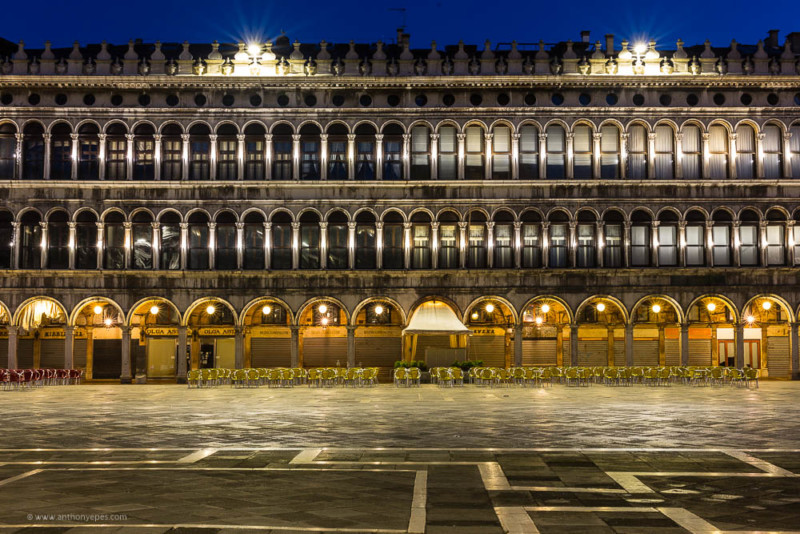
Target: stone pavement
(151, 459)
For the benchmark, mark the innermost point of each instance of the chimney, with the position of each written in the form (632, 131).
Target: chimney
(794, 38)
(400, 36)
(772, 40)
(609, 43)
(585, 36)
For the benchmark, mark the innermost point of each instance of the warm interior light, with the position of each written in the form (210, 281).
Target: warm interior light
(656, 308)
(750, 319)
(323, 308)
(154, 310)
(766, 305)
(211, 310)
(545, 308)
(489, 308)
(640, 48)
(107, 322)
(254, 49)
(601, 307)
(98, 310)
(474, 315)
(711, 306)
(378, 309)
(324, 320)
(538, 320)
(266, 309)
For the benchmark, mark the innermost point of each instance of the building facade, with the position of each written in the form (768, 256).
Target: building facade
(283, 204)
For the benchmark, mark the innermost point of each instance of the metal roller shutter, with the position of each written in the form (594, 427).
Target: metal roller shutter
(490, 349)
(672, 351)
(271, 352)
(700, 352)
(52, 356)
(566, 348)
(539, 351)
(79, 354)
(324, 351)
(3, 353)
(619, 352)
(379, 352)
(645, 352)
(25, 354)
(778, 357)
(593, 353)
(107, 358)
(138, 358)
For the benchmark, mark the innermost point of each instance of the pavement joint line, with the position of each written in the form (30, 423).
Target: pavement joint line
(205, 526)
(26, 474)
(494, 479)
(629, 482)
(306, 456)
(94, 462)
(567, 489)
(759, 463)
(197, 456)
(411, 449)
(515, 520)
(193, 469)
(589, 509)
(418, 519)
(691, 522)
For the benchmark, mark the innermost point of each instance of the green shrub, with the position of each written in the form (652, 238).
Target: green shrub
(468, 364)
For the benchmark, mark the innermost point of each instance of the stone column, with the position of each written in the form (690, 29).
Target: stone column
(601, 243)
(156, 246)
(351, 245)
(379, 156)
(517, 244)
(572, 244)
(18, 153)
(128, 243)
(72, 244)
(684, 344)
(267, 246)
(185, 157)
(407, 244)
(296, 156)
(596, 138)
(296, 245)
(434, 245)
(157, 157)
(268, 156)
(129, 146)
(69, 336)
(518, 345)
(487, 150)
(351, 156)
(515, 156)
(573, 345)
(238, 347)
(44, 245)
(379, 245)
(546, 244)
(323, 245)
(100, 246)
(12, 347)
(682, 244)
(737, 255)
(707, 236)
(760, 155)
(762, 240)
(461, 138)
(351, 346)
(623, 155)
(295, 345)
(490, 244)
(180, 365)
(542, 155)
(795, 345)
(75, 156)
(212, 241)
(629, 344)
(787, 160)
(212, 157)
(434, 166)
(677, 156)
(48, 155)
(323, 156)
(125, 377)
(102, 156)
(732, 156)
(406, 156)
(570, 156)
(239, 246)
(610, 345)
(705, 154)
(463, 245)
(651, 155)
(740, 345)
(789, 239)
(184, 245)
(240, 147)
(653, 241)
(15, 251)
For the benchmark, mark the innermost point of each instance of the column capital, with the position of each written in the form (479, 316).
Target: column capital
(155, 225)
(351, 225)
(488, 136)
(570, 136)
(185, 137)
(435, 225)
(157, 138)
(295, 225)
(542, 136)
(379, 137)
(43, 224)
(69, 328)
(72, 225)
(19, 136)
(600, 224)
(350, 329)
(706, 136)
(103, 136)
(100, 225)
(239, 225)
(787, 136)
(545, 225)
(323, 225)
(74, 136)
(296, 138)
(624, 136)
(517, 225)
(267, 226)
(655, 224)
(461, 136)
(127, 225)
(351, 137)
(184, 225)
(489, 224)
(323, 137)
(761, 136)
(679, 136)
(515, 136)
(597, 136)
(268, 137)
(16, 224)
(732, 136)
(407, 225)
(651, 136)
(434, 137)
(463, 224)
(240, 137)
(130, 137)
(379, 225)
(626, 225)
(212, 226)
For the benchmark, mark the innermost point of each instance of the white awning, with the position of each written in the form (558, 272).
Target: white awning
(435, 318)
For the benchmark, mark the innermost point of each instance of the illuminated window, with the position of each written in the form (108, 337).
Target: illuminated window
(448, 244)
(745, 151)
(692, 153)
(365, 152)
(33, 152)
(587, 250)
(529, 152)
(309, 152)
(665, 153)
(366, 247)
(773, 151)
(612, 249)
(171, 153)
(393, 250)
(282, 153)
(143, 153)
(476, 243)
(420, 153)
(337, 241)
(254, 148)
(198, 242)
(556, 152)
(30, 247)
(8, 147)
(794, 150)
(281, 241)
(227, 153)
(501, 153)
(199, 153)
(60, 153)
(86, 241)
(695, 245)
(531, 245)
(57, 241)
(142, 241)
(114, 241)
(225, 242)
(503, 241)
(448, 153)
(88, 152)
(309, 241)
(254, 241)
(421, 242)
(393, 152)
(582, 152)
(170, 242)
(609, 152)
(474, 154)
(337, 152)
(637, 152)
(717, 152)
(116, 153)
(558, 245)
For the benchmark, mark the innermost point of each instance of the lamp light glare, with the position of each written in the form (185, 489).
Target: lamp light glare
(266, 310)
(324, 321)
(474, 315)
(766, 305)
(538, 320)
(211, 310)
(656, 308)
(154, 310)
(254, 49)
(601, 307)
(323, 308)
(489, 308)
(98, 310)
(640, 48)
(750, 319)
(711, 306)
(545, 308)
(378, 310)
(107, 322)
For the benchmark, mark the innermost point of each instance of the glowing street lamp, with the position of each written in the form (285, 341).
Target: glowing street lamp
(323, 309)
(711, 306)
(98, 310)
(266, 310)
(656, 308)
(601, 307)
(545, 308)
(378, 310)
(766, 305)
(154, 310)
(489, 308)
(211, 310)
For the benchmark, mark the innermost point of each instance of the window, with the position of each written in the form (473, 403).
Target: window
(794, 149)
(86, 241)
(745, 152)
(531, 245)
(503, 248)
(30, 247)
(717, 152)
(609, 152)
(282, 157)
(225, 243)
(448, 246)
(556, 152)
(393, 250)
(171, 154)
(692, 153)
(637, 152)
(613, 245)
(88, 153)
(309, 245)
(501, 153)
(421, 246)
(582, 152)
(254, 242)
(558, 245)
(528, 152)
(114, 242)
(721, 236)
(420, 153)
(227, 147)
(773, 160)
(33, 152)
(142, 242)
(668, 246)
(6, 239)
(473, 164)
(281, 257)
(198, 244)
(476, 254)
(365, 246)
(775, 244)
(448, 153)
(60, 154)
(586, 245)
(665, 150)
(170, 244)
(143, 156)
(254, 145)
(309, 162)
(337, 245)
(640, 245)
(748, 244)
(796, 236)
(116, 157)
(695, 249)
(58, 241)
(8, 148)
(199, 154)
(365, 154)
(393, 158)
(337, 160)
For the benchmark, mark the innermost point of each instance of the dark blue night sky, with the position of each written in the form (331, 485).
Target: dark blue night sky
(446, 21)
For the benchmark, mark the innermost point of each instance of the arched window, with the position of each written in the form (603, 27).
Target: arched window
(613, 239)
(748, 238)
(692, 152)
(281, 240)
(225, 242)
(501, 153)
(30, 247)
(116, 153)
(449, 241)
(609, 152)
(556, 152)
(776, 238)
(61, 152)
(114, 241)
(227, 157)
(695, 250)
(637, 152)
(531, 240)
(640, 239)
(448, 153)
(337, 152)
(199, 152)
(559, 240)
(586, 255)
(717, 152)
(745, 152)
(142, 238)
(58, 241)
(794, 149)
(420, 153)
(421, 241)
(198, 242)
(282, 152)
(721, 238)
(309, 241)
(144, 152)
(503, 240)
(86, 241)
(474, 168)
(33, 152)
(365, 152)
(170, 243)
(393, 152)
(337, 241)
(773, 151)
(667, 234)
(582, 152)
(8, 149)
(88, 152)
(393, 249)
(254, 150)
(309, 152)
(254, 242)
(665, 153)
(529, 152)
(6, 239)
(171, 153)
(365, 241)
(476, 240)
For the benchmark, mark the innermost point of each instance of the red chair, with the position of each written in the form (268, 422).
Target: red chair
(62, 376)
(28, 377)
(75, 375)
(5, 378)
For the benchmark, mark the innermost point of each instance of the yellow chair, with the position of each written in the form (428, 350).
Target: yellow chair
(238, 378)
(193, 378)
(328, 376)
(444, 377)
(314, 377)
(401, 376)
(458, 376)
(750, 376)
(414, 376)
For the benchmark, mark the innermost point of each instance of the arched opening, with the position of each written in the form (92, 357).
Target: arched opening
(171, 152)
(794, 149)
(773, 152)
(366, 243)
(154, 338)
(721, 238)
(393, 152)
(98, 339)
(586, 254)
(227, 152)
(86, 246)
(667, 240)
(637, 152)
(665, 152)
(776, 237)
(254, 243)
(748, 237)
(692, 158)
(448, 153)
(612, 242)
(30, 246)
(609, 152)
(531, 240)
(420, 153)
(745, 152)
(503, 242)
(529, 152)
(449, 241)
(310, 152)
(61, 152)
(225, 249)
(199, 152)
(88, 152)
(365, 152)
(254, 152)
(476, 240)
(601, 333)
(545, 321)
(393, 250)
(267, 334)
(582, 152)
(116, 152)
(144, 152)
(5, 319)
(491, 323)
(114, 241)
(474, 153)
(323, 334)
(212, 334)
(8, 151)
(309, 241)
(656, 333)
(142, 241)
(421, 241)
(435, 334)
(6, 240)
(766, 337)
(717, 152)
(712, 323)
(558, 240)
(695, 238)
(58, 240)
(556, 151)
(170, 242)
(282, 152)
(337, 246)
(40, 339)
(33, 151)
(281, 236)
(379, 336)
(337, 152)
(501, 152)
(198, 256)
(641, 223)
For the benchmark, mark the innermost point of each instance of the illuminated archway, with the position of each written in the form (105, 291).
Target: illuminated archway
(712, 324)
(545, 319)
(98, 338)
(378, 331)
(323, 337)
(492, 321)
(766, 340)
(5, 319)
(267, 333)
(154, 326)
(41, 323)
(656, 331)
(600, 341)
(435, 348)
(211, 324)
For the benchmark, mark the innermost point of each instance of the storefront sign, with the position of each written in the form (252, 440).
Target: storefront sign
(216, 331)
(487, 331)
(379, 331)
(170, 331)
(324, 331)
(265, 331)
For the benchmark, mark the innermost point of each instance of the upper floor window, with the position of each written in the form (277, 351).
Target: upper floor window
(556, 151)
(33, 152)
(171, 153)
(448, 153)
(227, 153)
(692, 152)
(665, 153)
(501, 153)
(365, 152)
(309, 152)
(60, 153)
(717, 152)
(637, 152)
(582, 152)
(254, 152)
(773, 153)
(393, 152)
(199, 152)
(609, 152)
(794, 150)
(474, 168)
(420, 153)
(116, 153)
(337, 152)
(528, 152)
(143, 153)
(282, 152)
(8, 150)
(745, 152)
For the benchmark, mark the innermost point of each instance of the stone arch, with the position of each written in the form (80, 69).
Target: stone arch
(90, 300)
